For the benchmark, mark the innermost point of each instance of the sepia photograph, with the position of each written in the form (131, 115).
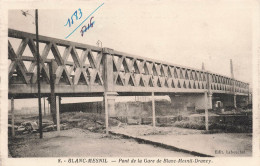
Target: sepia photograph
(112, 82)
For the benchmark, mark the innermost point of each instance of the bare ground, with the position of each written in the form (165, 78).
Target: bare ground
(78, 143)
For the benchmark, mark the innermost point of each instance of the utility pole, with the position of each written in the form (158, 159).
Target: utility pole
(231, 69)
(38, 73)
(203, 67)
(44, 106)
(206, 111)
(206, 100)
(233, 84)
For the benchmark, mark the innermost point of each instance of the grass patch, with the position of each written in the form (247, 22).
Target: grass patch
(213, 127)
(190, 124)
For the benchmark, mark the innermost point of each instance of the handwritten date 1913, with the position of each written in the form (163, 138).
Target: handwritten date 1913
(85, 28)
(75, 15)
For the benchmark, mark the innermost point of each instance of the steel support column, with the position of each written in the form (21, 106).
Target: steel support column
(106, 112)
(153, 109)
(206, 111)
(12, 112)
(58, 113)
(249, 95)
(44, 108)
(235, 100)
(210, 100)
(48, 112)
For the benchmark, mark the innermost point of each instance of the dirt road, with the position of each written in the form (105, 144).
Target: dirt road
(214, 144)
(78, 143)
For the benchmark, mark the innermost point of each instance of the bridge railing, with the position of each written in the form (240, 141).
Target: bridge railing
(81, 68)
(145, 74)
(76, 65)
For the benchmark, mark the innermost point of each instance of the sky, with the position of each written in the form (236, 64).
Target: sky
(180, 32)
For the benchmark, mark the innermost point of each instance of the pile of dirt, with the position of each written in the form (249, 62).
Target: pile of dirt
(144, 109)
(88, 121)
(27, 126)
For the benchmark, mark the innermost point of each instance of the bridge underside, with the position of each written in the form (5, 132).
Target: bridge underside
(31, 91)
(101, 94)
(181, 99)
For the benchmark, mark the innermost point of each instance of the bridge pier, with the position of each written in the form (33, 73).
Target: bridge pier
(109, 100)
(52, 102)
(55, 104)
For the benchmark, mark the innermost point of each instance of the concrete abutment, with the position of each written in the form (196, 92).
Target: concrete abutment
(190, 102)
(229, 101)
